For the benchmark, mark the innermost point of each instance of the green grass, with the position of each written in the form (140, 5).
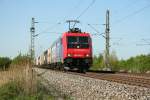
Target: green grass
(14, 91)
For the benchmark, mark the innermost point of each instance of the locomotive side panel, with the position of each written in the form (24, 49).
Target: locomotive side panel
(64, 47)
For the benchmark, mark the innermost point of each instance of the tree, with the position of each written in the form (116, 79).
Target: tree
(21, 60)
(113, 60)
(4, 63)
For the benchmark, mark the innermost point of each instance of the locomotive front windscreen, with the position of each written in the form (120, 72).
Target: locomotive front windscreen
(78, 42)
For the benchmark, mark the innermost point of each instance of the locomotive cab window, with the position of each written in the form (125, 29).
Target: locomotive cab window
(83, 40)
(72, 39)
(78, 42)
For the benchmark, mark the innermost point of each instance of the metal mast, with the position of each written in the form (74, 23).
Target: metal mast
(29, 75)
(32, 30)
(107, 31)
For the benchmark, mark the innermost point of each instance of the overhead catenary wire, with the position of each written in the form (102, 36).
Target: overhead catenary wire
(132, 14)
(78, 4)
(124, 18)
(47, 29)
(56, 24)
(97, 32)
(128, 6)
(59, 22)
(93, 28)
(144, 42)
(84, 11)
(48, 32)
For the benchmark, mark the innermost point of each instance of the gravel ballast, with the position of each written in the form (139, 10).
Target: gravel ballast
(84, 88)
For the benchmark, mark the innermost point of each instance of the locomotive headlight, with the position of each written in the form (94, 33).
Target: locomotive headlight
(87, 55)
(69, 55)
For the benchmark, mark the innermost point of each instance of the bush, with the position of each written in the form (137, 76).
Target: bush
(99, 61)
(21, 60)
(138, 64)
(4, 62)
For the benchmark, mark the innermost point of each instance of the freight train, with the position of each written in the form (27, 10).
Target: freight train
(72, 50)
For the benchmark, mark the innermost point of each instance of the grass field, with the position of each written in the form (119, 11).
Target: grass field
(11, 74)
(15, 85)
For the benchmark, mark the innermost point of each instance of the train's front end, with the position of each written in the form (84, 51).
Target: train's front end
(77, 50)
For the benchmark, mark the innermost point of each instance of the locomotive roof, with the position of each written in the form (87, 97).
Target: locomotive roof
(76, 34)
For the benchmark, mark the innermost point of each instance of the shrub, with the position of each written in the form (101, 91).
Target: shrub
(99, 61)
(138, 64)
(4, 62)
(21, 60)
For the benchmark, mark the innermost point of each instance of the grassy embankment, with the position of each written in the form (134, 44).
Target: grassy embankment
(16, 83)
(14, 86)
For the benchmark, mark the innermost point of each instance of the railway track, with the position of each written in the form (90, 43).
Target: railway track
(88, 87)
(142, 80)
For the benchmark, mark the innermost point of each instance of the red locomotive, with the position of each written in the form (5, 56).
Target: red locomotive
(73, 50)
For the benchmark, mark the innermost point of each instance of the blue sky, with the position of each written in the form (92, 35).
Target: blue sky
(129, 22)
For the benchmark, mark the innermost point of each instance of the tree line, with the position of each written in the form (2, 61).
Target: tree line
(137, 64)
(19, 60)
